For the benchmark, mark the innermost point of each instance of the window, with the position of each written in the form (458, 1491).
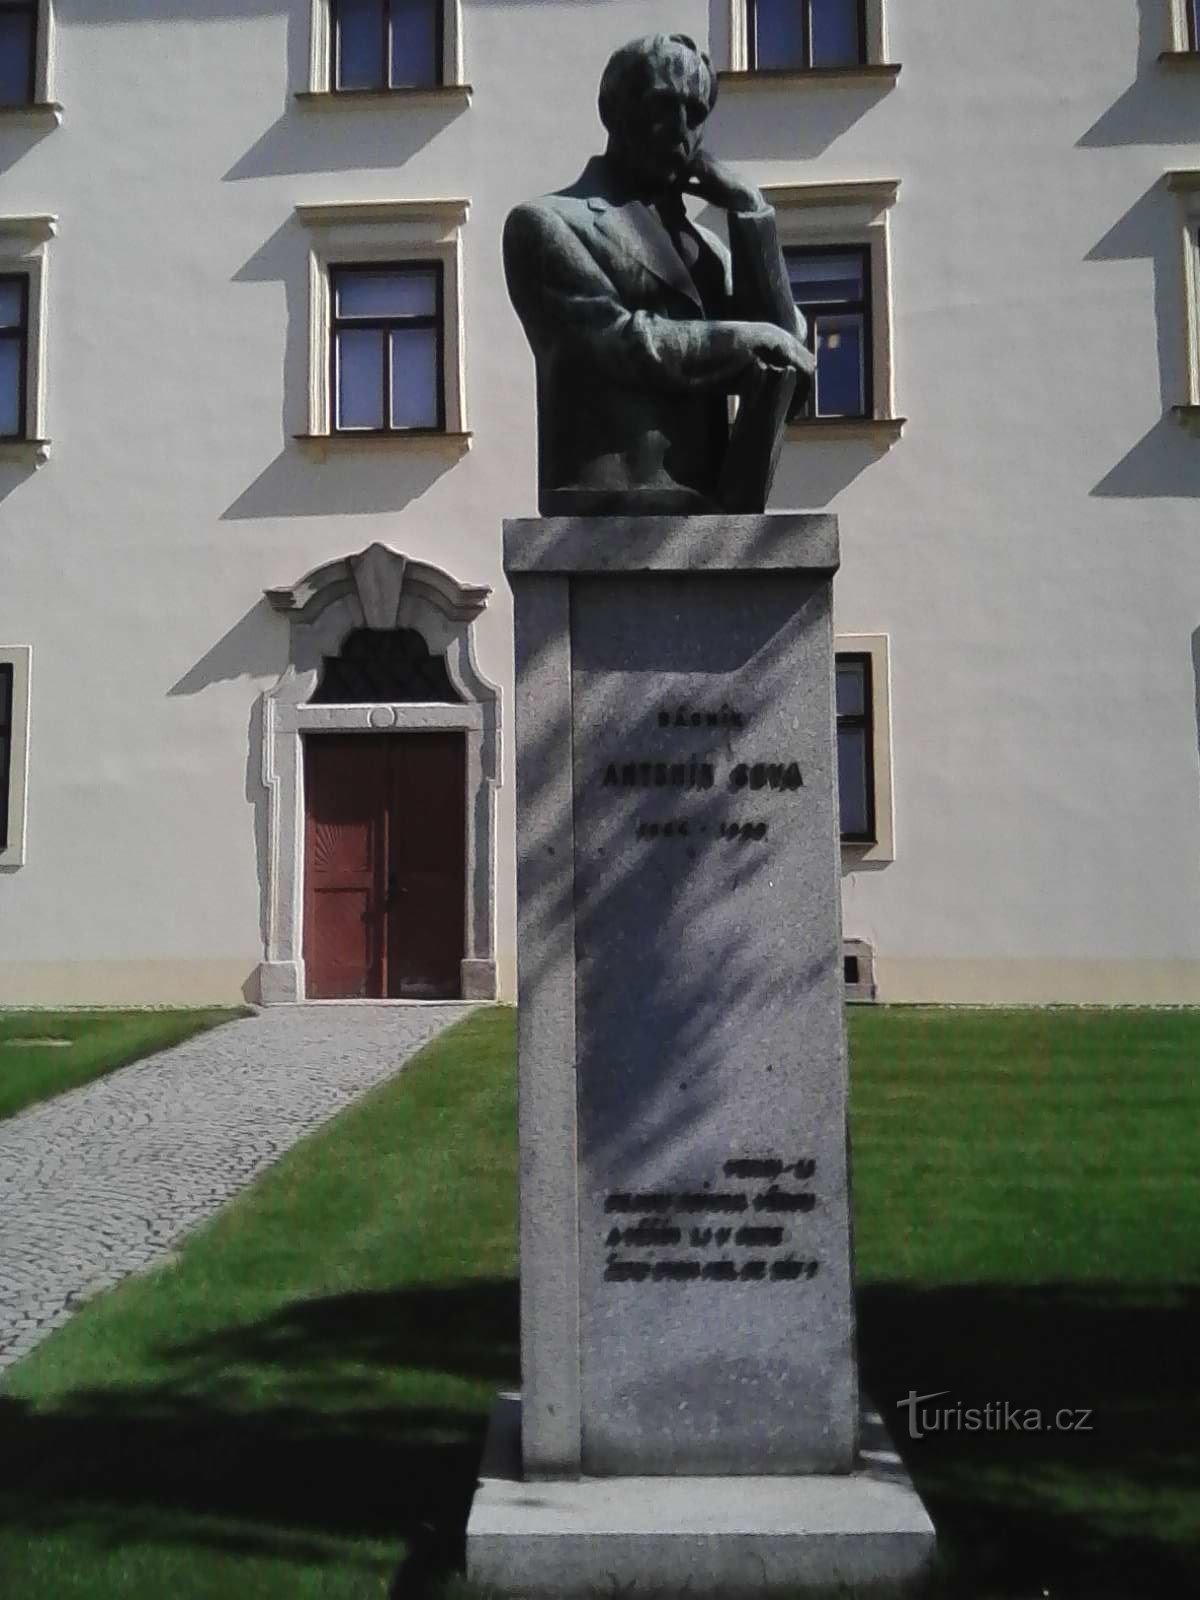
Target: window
(18, 52)
(832, 288)
(795, 35)
(837, 247)
(856, 783)
(386, 44)
(14, 744)
(14, 344)
(362, 48)
(385, 346)
(864, 755)
(1185, 185)
(23, 242)
(385, 322)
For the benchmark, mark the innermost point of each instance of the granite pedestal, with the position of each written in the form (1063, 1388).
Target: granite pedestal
(686, 1285)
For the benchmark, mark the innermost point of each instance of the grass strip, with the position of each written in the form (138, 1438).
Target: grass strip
(296, 1408)
(45, 1053)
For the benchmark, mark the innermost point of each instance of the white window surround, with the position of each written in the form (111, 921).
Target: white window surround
(849, 213)
(875, 645)
(1180, 50)
(730, 35)
(353, 232)
(375, 588)
(43, 104)
(20, 658)
(1185, 185)
(320, 89)
(23, 247)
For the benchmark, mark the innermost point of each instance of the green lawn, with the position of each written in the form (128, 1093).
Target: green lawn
(295, 1409)
(36, 1063)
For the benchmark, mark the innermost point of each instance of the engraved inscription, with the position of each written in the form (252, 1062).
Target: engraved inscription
(766, 1250)
(689, 717)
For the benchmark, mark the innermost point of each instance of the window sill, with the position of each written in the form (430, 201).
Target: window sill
(319, 445)
(880, 431)
(437, 94)
(33, 452)
(1180, 58)
(883, 73)
(32, 113)
(1188, 417)
(857, 852)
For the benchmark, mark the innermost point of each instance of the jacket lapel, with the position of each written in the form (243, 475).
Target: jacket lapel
(634, 229)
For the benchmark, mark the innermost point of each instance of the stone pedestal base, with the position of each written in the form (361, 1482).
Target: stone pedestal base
(675, 1536)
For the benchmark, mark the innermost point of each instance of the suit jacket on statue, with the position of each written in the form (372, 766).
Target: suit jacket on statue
(633, 368)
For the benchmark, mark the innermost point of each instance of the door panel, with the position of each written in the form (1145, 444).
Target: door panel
(385, 865)
(428, 866)
(345, 786)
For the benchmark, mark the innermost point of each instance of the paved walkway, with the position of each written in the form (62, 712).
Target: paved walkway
(104, 1180)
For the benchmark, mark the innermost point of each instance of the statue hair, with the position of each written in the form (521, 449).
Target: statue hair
(629, 68)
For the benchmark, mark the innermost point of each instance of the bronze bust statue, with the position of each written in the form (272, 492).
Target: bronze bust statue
(643, 324)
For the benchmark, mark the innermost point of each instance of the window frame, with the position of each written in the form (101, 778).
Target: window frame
(881, 847)
(1185, 185)
(864, 720)
(23, 253)
(379, 233)
(16, 662)
(33, 9)
(731, 28)
(322, 88)
(802, 413)
(386, 24)
(807, 65)
(846, 216)
(385, 324)
(21, 338)
(1191, 24)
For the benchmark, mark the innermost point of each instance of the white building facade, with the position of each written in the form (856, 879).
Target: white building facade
(264, 403)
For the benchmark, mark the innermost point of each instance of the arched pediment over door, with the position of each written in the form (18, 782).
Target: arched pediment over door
(368, 624)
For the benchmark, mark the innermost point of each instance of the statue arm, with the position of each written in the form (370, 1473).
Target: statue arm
(564, 297)
(761, 290)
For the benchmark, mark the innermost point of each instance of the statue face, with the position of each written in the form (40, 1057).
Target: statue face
(660, 127)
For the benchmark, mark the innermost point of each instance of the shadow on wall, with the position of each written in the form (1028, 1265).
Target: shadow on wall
(1162, 104)
(812, 472)
(1196, 683)
(17, 142)
(255, 647)
(1166, 461)
(355, 478)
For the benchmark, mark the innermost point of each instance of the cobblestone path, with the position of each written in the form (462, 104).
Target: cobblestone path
(104, 1180)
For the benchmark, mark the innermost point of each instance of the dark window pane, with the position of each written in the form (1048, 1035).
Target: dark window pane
(12, 304)
(360, 44)
(835, 40)
(852, 780)
(820, 279)
(360, 379)
(6, 683)
(16, 56)
(414, 378)
(840, 389)
(415, 61)
(10, 389)
(851, 689)
(386, 294)
(779, 33)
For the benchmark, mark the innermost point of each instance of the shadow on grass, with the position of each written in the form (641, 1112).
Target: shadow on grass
(1110, 1508)
(299, 1437)
(337, 1427)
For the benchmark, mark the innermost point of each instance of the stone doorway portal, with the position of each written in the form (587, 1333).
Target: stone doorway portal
(382, 659)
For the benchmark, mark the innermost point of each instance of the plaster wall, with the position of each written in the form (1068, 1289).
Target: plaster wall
(1028, 545)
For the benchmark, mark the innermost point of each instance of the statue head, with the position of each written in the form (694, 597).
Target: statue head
(655, 94)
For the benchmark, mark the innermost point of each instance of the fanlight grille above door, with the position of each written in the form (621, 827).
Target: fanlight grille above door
(389, 665)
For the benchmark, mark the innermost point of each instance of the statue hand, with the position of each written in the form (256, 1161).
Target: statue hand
(718, 183)
(775, 347)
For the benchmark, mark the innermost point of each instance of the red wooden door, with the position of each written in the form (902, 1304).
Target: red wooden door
(385, 865)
